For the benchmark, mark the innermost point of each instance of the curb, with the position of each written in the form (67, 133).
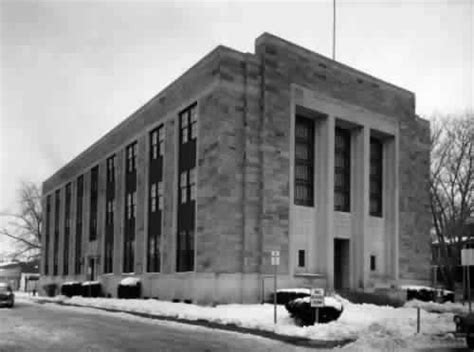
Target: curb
(294, 340)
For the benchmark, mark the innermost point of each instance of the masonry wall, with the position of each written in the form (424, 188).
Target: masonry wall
(196, 84)
(243, 176)
(414, 218)
(285, 63)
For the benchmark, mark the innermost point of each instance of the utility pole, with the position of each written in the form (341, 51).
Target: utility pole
(334, 29)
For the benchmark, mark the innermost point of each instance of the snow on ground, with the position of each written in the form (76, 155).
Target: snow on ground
(373, 327)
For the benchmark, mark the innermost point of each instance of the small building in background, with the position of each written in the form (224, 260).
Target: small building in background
(10, 272)
(21, 276)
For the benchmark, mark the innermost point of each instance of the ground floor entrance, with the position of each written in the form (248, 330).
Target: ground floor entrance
(341, 264)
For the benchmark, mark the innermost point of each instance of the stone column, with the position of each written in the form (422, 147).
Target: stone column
(119, 211)
(86, 222)
(390, 205)
(101, 206)
(360, 206)
(141, 209)
(323, 247)
(72, 228)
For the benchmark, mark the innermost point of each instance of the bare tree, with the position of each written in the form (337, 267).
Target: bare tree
(24, 226)
(451, 188)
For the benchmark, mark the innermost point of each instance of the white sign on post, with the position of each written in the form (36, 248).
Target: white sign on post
(275, 257)
(317, 297)
(467, 256)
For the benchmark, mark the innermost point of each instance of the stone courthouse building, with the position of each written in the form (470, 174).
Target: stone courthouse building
(242, 155)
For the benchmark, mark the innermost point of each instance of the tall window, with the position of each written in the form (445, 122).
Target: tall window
(376, 177)
(130, 208)
(109, 215)
(47, 233)
(131, 152)
(56, 233)
(187, 189)
(342, 170)
(304, 161)
(155, 199)
(94, 196)
(79, 205)
(67, 229)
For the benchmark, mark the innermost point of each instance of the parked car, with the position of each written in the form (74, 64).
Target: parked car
(465, 327)
(7, 297)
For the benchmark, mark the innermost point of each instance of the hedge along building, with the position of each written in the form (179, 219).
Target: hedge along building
(244, 154)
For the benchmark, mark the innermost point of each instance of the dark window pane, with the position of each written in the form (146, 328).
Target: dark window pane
(342, 170)
(304, 163)
(301, 258)
(372, 263)
(376, 177)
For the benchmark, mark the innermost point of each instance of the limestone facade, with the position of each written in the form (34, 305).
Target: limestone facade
(245, 182)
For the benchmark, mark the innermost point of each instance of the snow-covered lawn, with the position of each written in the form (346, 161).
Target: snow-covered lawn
(373, 327)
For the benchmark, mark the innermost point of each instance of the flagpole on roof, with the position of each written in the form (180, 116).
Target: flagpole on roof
(334, 29)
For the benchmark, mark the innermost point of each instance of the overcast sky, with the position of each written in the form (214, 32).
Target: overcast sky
(72, 70)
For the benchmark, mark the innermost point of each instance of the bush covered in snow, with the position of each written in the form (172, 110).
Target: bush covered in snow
(91, 289)
(303, 314)
(71, 288)
(288, 294)
(129, 287)
(427, 294)
(50, 289)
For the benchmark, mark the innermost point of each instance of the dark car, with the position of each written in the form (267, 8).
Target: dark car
(7, 298)
(465, 327)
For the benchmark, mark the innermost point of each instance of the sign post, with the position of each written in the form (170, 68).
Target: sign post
(275, 263)
(317, 301)
(467, 259)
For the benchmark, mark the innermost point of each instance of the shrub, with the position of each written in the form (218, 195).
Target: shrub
(129, 288)
(427, 294)
(50, 289)
(91, 289)
(379, 298)
(286, 295)
(72, 288)
(303, 314)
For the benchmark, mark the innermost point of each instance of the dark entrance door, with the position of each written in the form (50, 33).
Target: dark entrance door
(341, 264)
(91, 270)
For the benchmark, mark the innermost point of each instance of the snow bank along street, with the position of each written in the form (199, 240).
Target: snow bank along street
(372, 327)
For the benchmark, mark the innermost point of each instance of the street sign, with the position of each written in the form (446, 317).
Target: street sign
(467, 256)
(275, 257)
(317, 297)
(275, 263)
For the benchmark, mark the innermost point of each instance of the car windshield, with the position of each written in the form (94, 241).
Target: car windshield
(4, 288)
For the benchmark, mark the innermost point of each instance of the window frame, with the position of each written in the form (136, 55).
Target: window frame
(301, 258)
(79, 224)
(376, 177)
(342, 152)
(186, 207)
(94, 200)
(308, 142)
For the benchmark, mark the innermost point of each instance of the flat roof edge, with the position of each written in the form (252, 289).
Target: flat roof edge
(268, 37)
(208, 57)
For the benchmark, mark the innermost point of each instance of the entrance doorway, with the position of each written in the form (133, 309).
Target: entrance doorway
(341, 264)
(91, 270)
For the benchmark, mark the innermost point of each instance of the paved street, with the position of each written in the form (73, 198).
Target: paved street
(49, 327)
